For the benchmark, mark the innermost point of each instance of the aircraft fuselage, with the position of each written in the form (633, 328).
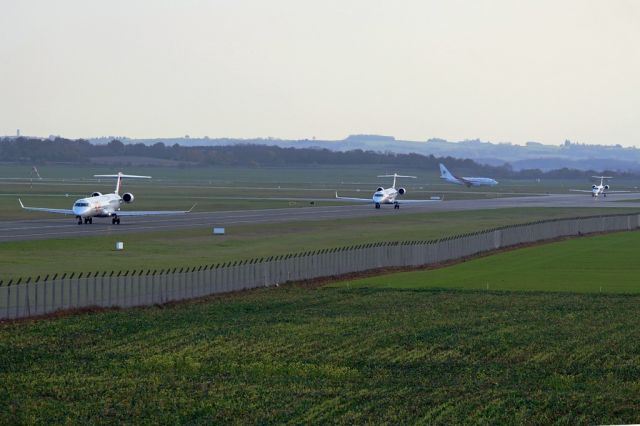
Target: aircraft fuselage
(386, 196)
(99, 206)
(471, 181)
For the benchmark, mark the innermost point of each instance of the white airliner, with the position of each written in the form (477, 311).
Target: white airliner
(596, 190)
(387, 196)
(468, 181)
(104, 205)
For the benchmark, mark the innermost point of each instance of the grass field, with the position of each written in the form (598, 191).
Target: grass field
(221, 188)
(606, 263)
(195, 247)
(420, 347)
(387, 351)
(298, 355)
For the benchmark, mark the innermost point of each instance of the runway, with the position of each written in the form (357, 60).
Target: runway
(67, 227)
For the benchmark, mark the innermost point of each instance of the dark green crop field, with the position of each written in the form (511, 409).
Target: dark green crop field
(606, 263)
(305, 355)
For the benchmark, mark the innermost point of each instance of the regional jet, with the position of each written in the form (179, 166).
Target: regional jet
(386, 195)
(468, 181)
(105, 205)
(596, 190)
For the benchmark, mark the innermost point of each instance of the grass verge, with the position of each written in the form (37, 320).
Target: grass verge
(603, 263)
(194, 247)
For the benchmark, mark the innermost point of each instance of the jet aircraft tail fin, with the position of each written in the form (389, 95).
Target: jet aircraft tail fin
(446, 174)
(394, 176)
(119, 176)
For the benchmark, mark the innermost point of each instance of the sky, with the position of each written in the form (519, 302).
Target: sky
(497, 70)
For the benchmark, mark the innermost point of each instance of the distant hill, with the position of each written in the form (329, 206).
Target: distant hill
(546, 164)
(59, 150)
(531, 155)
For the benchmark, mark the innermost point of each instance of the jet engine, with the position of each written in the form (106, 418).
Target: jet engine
(594, 187)
(96, 194)
(606, 187)
(380, 189)
(127, 197)
(402, 191)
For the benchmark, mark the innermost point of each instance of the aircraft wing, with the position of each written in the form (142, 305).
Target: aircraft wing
(464, 180)
(369, 200)
(616, 192)
(416, 201)
(582, 190)
(154, 212)
(46, 210)
(361, 200)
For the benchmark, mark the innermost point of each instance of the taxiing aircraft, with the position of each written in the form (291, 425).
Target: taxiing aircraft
(104, 205)
(387, 195)
(468, 181)
(596, 190)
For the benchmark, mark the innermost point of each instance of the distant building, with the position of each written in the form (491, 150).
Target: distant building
(18, 133)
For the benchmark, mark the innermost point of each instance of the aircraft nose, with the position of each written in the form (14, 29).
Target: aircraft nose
(80, 211)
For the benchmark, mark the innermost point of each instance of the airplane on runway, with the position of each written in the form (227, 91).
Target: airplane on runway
(596, 190)
(387, 195)
(468, 181)
(105, 205)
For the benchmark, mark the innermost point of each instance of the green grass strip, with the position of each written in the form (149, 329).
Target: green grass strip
(605, 263)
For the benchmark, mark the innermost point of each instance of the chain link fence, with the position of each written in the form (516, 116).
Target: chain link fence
(24, 298)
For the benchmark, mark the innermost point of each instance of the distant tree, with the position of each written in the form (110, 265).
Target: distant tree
(37, 151)
(116, 147)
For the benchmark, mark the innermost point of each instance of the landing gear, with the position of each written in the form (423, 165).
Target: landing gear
(115, 220)
(396, 206)
(79, 220)
(604, 194)
(88, 220)
(377, 205)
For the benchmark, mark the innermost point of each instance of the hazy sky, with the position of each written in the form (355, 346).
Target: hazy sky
(496, 70)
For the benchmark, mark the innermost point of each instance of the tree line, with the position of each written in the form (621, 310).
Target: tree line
(60, 150)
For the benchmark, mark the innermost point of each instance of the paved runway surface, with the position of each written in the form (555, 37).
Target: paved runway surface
(66, 226)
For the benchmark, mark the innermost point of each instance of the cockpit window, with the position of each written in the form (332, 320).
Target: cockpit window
(82, 205)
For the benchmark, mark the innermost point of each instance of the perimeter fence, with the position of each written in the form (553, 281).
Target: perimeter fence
(29, 297)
